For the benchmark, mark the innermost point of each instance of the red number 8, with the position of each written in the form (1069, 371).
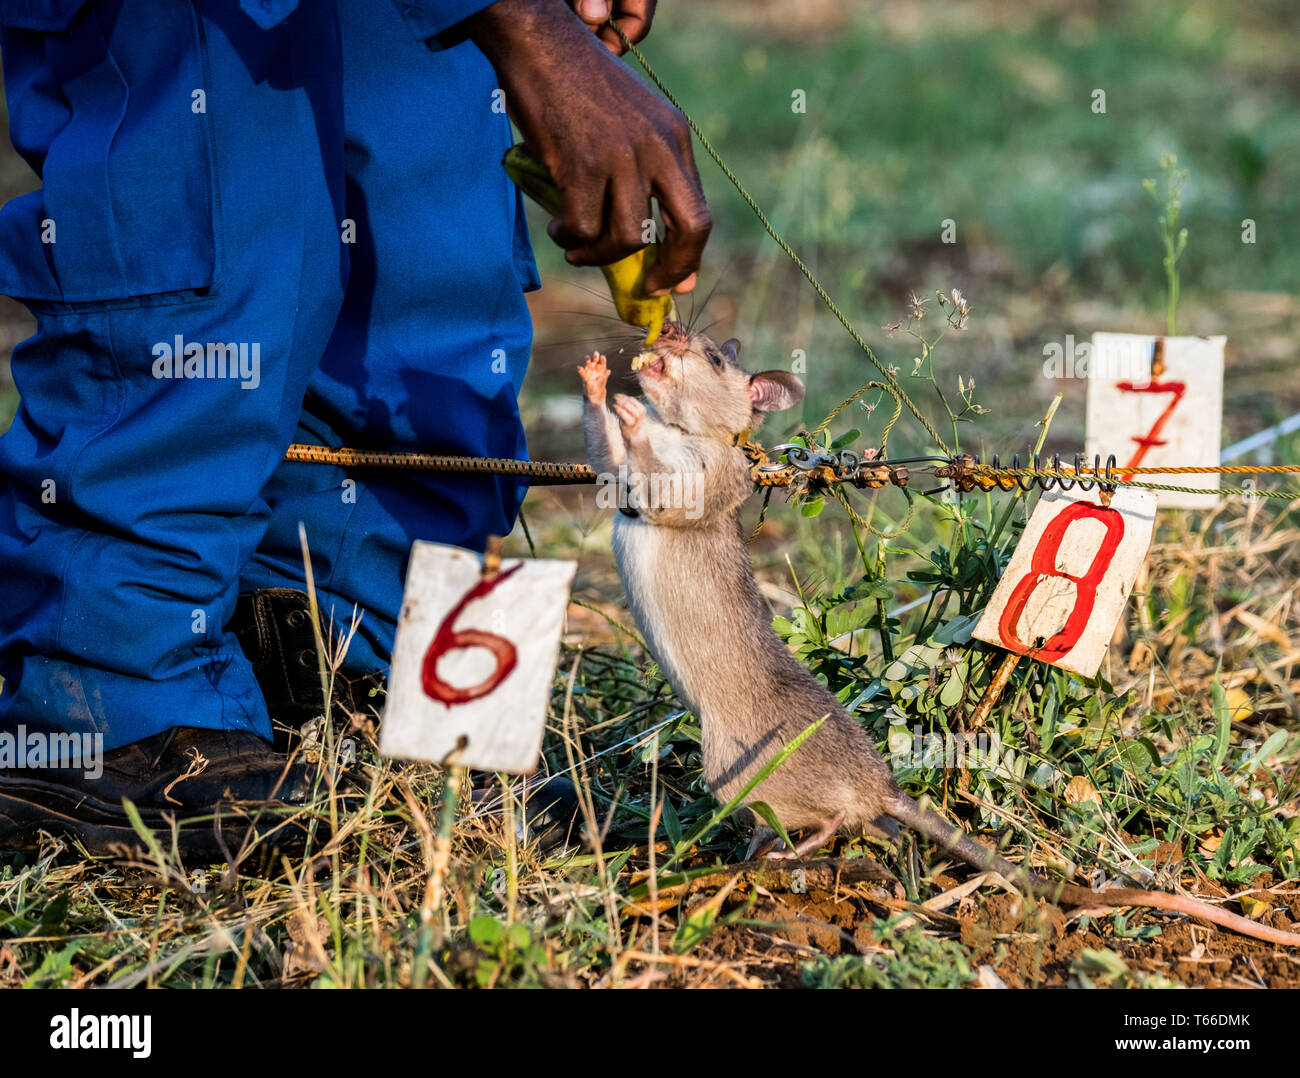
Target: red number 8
(1043, 564)
(448, 638)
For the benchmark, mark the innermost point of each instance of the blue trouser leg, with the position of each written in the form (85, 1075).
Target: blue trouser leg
(132, 506)
(433, 338)
(129, 500)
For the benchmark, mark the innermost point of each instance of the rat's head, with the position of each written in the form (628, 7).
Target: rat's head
(698, 385)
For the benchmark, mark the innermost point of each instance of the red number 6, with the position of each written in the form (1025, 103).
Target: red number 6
(1043, 565)
(448, 638)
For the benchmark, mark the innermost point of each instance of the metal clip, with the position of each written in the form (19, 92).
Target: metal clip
(845, 463)
(799, 456)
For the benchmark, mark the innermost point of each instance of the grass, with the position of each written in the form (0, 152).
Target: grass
(1178, 765)
(911, 121)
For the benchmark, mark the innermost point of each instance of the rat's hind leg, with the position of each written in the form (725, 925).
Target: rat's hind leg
(762, 843)
(813, 842)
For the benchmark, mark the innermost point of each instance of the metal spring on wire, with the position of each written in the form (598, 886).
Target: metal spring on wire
(1043, 482)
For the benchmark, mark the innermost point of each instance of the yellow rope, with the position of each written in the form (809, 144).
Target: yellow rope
(1005, 478)
(1223, 469)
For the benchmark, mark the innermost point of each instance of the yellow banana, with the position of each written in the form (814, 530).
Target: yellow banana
(626, 277)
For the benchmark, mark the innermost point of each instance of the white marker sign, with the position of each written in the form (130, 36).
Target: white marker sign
(1173, 418)
(473, 659)
(1069, 578)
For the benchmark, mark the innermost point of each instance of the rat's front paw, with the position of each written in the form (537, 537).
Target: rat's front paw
(631, 416)
(594, 373)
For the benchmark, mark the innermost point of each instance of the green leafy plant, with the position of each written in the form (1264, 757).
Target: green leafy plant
(510, 955)
(909, 958)
(1105, 969)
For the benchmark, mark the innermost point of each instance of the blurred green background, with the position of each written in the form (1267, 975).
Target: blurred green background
(981, 113)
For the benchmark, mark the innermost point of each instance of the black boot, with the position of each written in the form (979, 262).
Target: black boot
(220, 787)
(191, 775)
(274, 629)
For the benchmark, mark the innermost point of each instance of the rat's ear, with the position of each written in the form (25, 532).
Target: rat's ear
(774, 391)
(731, 348)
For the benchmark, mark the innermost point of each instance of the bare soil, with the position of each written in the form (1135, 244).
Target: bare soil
(1027, 943)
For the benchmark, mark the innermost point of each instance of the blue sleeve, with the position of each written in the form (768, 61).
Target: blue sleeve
(428, 18)
(48, 15)
(424, 18)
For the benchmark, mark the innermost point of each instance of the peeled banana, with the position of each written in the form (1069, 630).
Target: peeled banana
(626, 277)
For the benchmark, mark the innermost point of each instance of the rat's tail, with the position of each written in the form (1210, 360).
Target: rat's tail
(937, 829)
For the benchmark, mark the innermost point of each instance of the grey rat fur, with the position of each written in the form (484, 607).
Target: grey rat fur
(685, 570)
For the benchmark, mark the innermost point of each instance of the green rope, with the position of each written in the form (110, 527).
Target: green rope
(890, 382)
(884, 434)
(862, 522)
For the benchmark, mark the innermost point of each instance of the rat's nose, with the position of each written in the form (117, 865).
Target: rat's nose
(672, 330)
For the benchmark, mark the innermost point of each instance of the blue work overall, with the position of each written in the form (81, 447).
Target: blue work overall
(259, 223)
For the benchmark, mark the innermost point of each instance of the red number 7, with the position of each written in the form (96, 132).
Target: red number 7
(1152, 437)
(449, 638)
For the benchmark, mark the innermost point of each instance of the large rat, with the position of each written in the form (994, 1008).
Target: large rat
(681, 479)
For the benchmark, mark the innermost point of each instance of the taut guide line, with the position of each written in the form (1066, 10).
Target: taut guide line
(820, 469)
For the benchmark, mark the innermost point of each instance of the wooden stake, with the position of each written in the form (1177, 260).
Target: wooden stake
(996, 686)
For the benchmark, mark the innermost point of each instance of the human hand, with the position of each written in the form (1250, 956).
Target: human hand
(610, 142)
(633, 17)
